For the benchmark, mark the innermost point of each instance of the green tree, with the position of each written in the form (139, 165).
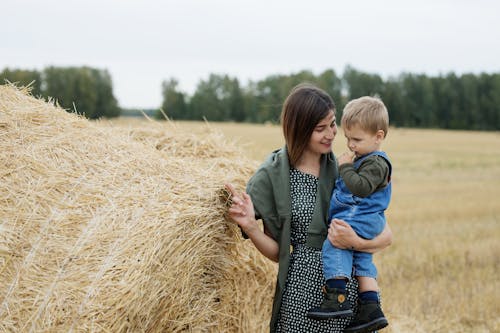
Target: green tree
(250, 103)
(205, 102)
(270, 96)
(489, 101)
(359, 84)
(393, 100)
(174, 102)
(235, 100)
(457, 111)
(332, 84)
(59, 84)
(494, 117)
(470, 102)
(86, 90)
(217, 99)
(106, 103)
(417, 100)
(446, 100)
(413, 100)
(22, 77)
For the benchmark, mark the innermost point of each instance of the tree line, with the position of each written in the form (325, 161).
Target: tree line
(84, 90)
(449, 101)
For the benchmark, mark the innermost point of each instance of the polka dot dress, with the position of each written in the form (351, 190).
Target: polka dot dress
(305, 279)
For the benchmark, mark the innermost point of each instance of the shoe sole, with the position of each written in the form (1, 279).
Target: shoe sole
(373, 325)
(330, 315)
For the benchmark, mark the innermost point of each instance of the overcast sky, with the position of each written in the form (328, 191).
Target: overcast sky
(143, 42)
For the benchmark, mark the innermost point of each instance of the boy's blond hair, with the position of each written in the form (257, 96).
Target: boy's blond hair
(368, 112)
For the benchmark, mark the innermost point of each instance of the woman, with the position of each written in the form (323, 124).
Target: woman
(291, 192)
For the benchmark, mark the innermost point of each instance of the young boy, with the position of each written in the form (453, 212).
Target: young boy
(361, 195)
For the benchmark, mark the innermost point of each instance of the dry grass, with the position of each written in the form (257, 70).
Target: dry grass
(113, 229)
(441, 273)
(118, 226)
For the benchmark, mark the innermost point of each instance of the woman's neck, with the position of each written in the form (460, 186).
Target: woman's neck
(309, 163)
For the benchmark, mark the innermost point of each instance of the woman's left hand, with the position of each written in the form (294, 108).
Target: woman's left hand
(341, 235)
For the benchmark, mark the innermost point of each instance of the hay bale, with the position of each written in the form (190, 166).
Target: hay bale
(119, 229)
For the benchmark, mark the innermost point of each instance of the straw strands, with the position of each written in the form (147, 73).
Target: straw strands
(116, 229)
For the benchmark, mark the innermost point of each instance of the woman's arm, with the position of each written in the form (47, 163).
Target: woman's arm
(341, 235)
(242, 212)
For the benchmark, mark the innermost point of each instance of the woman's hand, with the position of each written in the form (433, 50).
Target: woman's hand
(341, 235)
(241, 210)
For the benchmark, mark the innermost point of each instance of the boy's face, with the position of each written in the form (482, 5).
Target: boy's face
(361, 142)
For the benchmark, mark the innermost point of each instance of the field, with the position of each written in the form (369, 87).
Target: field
(441, 273)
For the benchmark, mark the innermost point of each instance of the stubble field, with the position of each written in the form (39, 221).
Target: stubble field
(441, 272)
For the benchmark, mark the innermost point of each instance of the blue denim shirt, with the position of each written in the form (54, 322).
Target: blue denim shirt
(365, 215)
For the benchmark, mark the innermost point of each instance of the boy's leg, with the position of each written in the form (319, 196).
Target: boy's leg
(337, 267)
(369, 316)
(366, 274)
(367, 284)
(337, 263)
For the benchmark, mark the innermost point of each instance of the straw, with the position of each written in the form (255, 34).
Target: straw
(121, 229)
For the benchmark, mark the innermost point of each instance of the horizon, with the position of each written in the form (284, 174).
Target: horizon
(143, 44)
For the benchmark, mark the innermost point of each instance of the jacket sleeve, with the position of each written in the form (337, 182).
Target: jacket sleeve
(260, 189)
(372, 175)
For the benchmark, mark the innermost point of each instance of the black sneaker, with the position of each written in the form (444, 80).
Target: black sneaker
(334, 305)
(368, 318)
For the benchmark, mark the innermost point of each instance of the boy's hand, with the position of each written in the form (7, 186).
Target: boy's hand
(346, 157)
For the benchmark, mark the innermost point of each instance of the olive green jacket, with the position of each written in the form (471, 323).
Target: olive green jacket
(269, 189)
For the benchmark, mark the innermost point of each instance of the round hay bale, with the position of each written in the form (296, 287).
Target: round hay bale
(116, 229)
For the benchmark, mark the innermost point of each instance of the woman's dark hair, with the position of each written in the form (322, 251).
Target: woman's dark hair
(304, 108)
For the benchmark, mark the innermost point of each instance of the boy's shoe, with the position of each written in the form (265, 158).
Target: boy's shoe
(368, 318)
(335, 305)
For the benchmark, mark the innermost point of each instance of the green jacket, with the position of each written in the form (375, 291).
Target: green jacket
(269, 189)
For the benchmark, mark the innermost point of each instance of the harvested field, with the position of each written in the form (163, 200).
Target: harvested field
(96, 222)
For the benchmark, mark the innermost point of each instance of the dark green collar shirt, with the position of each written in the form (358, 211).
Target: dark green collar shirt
(269, 189)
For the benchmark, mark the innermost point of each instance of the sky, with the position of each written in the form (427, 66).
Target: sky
(142, 43)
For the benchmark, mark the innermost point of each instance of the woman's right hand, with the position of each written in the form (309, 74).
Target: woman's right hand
(243, 213)
(241, 210)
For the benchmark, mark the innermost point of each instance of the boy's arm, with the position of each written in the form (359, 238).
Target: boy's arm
(371, 175)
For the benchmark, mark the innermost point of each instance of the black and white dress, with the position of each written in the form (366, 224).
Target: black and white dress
(305, 280)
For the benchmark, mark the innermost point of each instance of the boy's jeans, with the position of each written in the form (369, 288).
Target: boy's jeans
(344, 263)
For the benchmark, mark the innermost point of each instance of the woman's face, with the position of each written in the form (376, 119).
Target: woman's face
(323, 134)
